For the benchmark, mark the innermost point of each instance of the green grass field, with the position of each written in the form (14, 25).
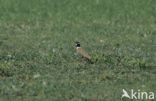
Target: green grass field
(38, 60)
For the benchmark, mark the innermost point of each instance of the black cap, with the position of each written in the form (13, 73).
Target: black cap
(77, 44)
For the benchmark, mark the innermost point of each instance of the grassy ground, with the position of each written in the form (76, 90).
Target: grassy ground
(38, 60)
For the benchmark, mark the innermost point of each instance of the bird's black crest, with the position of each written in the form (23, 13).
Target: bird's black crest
(77, 44)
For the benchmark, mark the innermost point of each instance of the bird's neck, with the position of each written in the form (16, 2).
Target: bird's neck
(77, 47)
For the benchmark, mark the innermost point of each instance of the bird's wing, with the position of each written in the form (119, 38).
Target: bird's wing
(83, 53)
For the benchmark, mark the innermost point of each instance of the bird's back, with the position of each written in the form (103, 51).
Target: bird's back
(83, 53)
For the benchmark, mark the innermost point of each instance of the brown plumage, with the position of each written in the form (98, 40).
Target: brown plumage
(81, 51)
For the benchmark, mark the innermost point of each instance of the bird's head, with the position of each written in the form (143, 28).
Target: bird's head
(77, 44)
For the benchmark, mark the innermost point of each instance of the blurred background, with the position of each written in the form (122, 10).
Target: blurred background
(38, 60)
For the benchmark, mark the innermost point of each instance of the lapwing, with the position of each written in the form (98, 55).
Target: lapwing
(81, 51)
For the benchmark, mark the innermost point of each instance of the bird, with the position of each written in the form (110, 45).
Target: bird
(81, 51)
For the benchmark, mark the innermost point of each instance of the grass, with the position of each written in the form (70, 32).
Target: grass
(38, 60)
